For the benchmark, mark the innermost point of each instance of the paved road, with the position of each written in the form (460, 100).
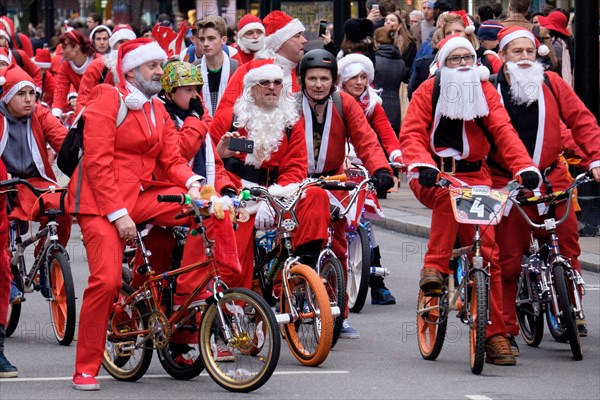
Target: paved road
(383, 364)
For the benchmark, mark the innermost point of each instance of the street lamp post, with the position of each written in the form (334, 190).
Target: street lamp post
(103, 4)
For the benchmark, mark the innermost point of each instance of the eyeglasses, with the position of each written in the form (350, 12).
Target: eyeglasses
(456, 60)
(267, 83)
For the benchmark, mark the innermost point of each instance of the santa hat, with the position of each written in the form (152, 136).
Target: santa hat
(9, 25)
(5, 34)
(72, 95)
(279, 27)
(353, 64)
(100, 28)
(5, 55)
(136, 52)
(42, 58)
(489, 30)
(264, 71)
(249, 22)
(13, 79)
(467, 21)
(456, 41)
(510, 33)
(121, 32)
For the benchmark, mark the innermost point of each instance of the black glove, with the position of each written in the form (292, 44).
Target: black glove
(384, 180)
(428, 176)
(196, 108)
(530, 179)
(173, 109)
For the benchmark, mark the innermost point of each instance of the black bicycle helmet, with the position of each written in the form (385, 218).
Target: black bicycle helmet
(318, 58)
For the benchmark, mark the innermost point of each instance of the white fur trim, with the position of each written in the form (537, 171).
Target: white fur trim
(265, 71)
(364, 61)
(275, 40)
(2, 80)
(533, 169)
(13, 90)
(249, 27)
(57, 112)
(417, 165)
(100, 28)
(141, 55)
(6, 60)
(396, 153)
(520, 33)
(283, 191)
(484, 73)
(450, 46)
(543, 50)
(121, 34)
(5, 34)
(39, 64)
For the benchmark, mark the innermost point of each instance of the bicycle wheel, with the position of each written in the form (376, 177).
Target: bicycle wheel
(62, 302)
(332, 276)
(477, 320)
(359, 269)
(431, 326)
(126, 358)
(529, 315)
(12, 318)
(557, 330)
(566, 315)
(309, 338)
(182, 360)
(248, 359)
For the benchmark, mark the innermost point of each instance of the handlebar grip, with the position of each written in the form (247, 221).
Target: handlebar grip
(10, 182)
(255, 191)
(171, 198)
(340, 186)
(443, 182)
(340, 177)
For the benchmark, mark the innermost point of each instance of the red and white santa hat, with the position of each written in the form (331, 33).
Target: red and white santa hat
(510, 33)
(13, 79)
(99, 28)
(264, 70)
(353, 64)
(121, 32)
(279, 27)
(249, 22)
(5, 34)
(136, 52)
(456, 41)
(72, 95)
(42, 58)
(5, 55)
(467, 21)
(9, 25)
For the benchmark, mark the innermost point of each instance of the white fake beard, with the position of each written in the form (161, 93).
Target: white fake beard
(265, 127)
(461, 95)
(148, 87)
(525, 83)
(110, 60)
(250, 45)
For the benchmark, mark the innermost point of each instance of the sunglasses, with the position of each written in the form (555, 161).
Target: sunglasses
(456, 60)
(267, 83)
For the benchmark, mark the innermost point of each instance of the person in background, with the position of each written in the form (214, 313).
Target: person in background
(39, 39)
(195, 52)
(535, 18)
(421, 67)
(44, 61)
(93, 20)
(179, 18)
(415, 18)
(488, 36)
(18, 40)
(485, 13)
(562, 42)
(423, 31)
(250, 38)
(497, 10)
(99, 37)
(19, 57)
(357, 38)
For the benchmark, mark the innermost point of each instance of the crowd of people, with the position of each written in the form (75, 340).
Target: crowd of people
(491, 100)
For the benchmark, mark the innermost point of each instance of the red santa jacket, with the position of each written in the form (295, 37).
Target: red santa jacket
(561, 104)
(28, 66)
(242, 57)
(67, 77)
(118, 162)
(48, 87)
(382, 127)
(224, 114)
(90, 79)
(46, 130)
(416, 134)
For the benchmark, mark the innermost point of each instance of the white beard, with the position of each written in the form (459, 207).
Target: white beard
(110, 60)
(265, 127)
(251, 45)
(461, 94)
(525, 83)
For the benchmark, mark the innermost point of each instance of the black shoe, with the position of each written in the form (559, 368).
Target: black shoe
(7, 370)
(513, 345)
(382, 296)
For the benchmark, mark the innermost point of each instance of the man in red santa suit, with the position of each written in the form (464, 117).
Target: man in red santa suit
(284, 43)
(538, 103)
(250, 38)
(452, 141)
(326, 135)
(113, 188)
(266, 115)
(102, 69)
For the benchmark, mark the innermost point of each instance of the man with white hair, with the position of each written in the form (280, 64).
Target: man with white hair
(250, 38)
(447, 135)
(538, 104)
(113, 187)
(265, 115)
(102, 69)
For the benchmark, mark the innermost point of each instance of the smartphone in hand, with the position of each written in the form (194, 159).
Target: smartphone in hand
(322, 27)
(242, 145)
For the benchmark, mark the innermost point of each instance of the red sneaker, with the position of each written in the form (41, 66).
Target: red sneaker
(84, 381)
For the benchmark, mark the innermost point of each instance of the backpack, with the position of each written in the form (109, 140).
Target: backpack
(17, 56)
(336, 98)
(71, 151)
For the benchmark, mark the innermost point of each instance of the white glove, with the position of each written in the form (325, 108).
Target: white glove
(265, 216)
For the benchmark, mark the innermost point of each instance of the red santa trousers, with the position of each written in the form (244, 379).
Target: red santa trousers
(442, 237)
(104, 250)
(5, 277)
(513, 238)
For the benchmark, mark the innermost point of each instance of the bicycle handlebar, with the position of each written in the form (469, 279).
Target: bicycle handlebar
(171, 198)
(38, 192)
